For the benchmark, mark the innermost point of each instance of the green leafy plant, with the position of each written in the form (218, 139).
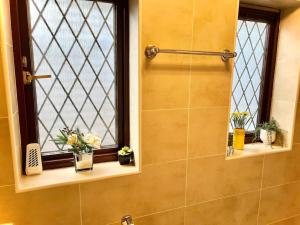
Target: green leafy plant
(78, 142)
(240, 119)
(125, 151)
(270, 126)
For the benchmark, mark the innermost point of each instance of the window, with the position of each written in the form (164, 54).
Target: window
(256, 42)
(83, 45)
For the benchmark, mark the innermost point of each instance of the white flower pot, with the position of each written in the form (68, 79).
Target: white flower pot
(267, 137)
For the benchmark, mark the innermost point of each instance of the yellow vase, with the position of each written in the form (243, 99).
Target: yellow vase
(238, 139)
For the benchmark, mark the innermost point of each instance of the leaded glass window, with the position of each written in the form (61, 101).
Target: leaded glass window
(251, 47)
(74, 41)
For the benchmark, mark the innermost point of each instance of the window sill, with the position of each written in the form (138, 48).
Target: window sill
(67, 176)
(256, 149)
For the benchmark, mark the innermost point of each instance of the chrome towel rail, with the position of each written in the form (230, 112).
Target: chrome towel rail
(151, 51)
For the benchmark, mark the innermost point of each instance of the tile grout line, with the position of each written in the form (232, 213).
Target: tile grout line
(80, 204)
(284, 219)
(260, 190)
(160, 212)
(223, 198)
(188, 117)
(283, 184)
(164, 162)
(7, 185)
(192, 158)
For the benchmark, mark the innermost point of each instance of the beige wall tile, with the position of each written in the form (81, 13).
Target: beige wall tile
(164, 135)
(297, 125)
(208, 131)
(5, 20)
(237, 210)
(16, 144)
(52, 206)
(3, 107)
(165, 85)
(279, 202)
(211, 78)
(282, 168)
(165, 78)
(210, 84)
(288, 43)
(6, 173)
(214, 30)
(214, 177)
(283, 112)
(290, 221)
(174, 30)
(158, 188)
(10, 70)
(286, 79)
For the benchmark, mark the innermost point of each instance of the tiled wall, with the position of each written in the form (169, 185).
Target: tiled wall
(185, 178)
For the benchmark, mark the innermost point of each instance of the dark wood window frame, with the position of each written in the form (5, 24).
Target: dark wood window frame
(273, 19)
(25, 94)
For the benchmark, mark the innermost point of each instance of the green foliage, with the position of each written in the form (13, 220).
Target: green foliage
(73, 138)
(270, 126)
(125, 151)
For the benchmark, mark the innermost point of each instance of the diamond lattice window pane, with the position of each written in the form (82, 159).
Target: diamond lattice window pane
(247, 82)
(74, 41)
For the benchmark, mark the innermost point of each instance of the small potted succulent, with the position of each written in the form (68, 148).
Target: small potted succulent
(81, 145)
(267, 132)
(125, 155)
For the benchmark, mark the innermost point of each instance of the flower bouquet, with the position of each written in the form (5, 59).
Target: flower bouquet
(81, 145)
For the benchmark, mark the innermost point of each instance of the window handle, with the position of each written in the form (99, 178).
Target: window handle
(27, 77)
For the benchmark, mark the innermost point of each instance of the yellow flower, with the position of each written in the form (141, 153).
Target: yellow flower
(245, 113)
(93, 141)
(72, 139)
(236, 114)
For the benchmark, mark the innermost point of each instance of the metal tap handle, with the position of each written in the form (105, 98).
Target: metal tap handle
(126, 220)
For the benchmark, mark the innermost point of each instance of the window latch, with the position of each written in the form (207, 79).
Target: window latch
(27, 77)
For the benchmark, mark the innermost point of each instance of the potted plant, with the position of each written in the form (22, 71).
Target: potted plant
(125, 155)
(239, 122)
(267, 132)
(81, 145)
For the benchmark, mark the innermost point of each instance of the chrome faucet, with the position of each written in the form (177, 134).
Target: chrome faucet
(126, 220)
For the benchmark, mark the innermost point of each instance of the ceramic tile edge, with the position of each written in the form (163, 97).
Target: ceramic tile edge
(30, 183)
(256, 154)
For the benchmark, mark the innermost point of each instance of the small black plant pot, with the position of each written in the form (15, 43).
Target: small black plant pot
(124, 159)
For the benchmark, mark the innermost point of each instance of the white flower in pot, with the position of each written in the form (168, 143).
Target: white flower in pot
(81, 145)
(267, 132)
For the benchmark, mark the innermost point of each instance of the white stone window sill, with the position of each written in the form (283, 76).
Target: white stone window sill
(256, 149)
(67, 176)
